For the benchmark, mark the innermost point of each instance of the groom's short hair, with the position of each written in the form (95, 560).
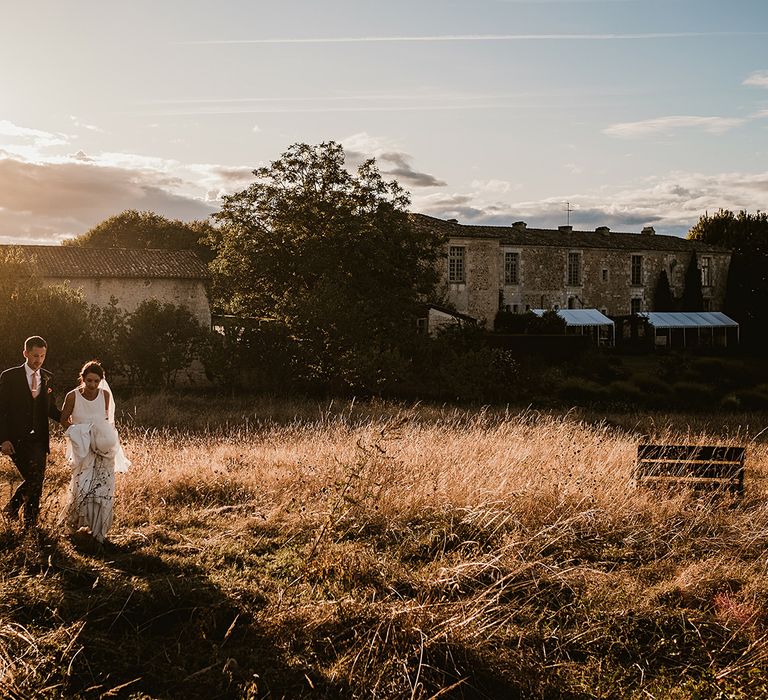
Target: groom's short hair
(34, 341)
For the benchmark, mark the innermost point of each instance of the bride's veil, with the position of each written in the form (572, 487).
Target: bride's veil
(104, 384)
(121, 461)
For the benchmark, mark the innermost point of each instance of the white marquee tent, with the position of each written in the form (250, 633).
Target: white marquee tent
(668, 321)
(590, 319)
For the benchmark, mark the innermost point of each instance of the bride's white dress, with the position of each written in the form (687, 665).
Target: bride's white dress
(93, 448)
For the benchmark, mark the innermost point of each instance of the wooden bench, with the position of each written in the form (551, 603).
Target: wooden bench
(713, 467)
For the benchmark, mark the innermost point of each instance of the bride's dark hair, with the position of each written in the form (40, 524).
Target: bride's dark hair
(91, 367)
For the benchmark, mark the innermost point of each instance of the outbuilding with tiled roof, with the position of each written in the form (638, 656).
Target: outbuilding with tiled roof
(131, 275)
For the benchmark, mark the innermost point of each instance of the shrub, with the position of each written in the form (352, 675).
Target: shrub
(692, 394)
(650, 383)
(161, 339)
(509, 322)
(581, 390)
(625, 392)
(749, 399)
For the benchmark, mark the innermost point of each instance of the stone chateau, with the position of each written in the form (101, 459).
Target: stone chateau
(516, 268)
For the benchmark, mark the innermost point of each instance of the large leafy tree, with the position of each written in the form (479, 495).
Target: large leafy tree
(146, 229)
(329, 255)
(746, 235)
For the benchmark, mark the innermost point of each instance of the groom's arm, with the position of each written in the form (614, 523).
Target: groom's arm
(53, 411)
(5, 428)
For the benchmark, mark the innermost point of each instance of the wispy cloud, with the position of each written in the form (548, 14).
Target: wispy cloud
(90, 127)
(364, 101)
(333, 109)
(712, 125)
(473, 37)
(758, 78)
(320, 104)
(563, 2)
(25, 141)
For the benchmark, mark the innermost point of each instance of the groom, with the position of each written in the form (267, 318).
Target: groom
(26, 404)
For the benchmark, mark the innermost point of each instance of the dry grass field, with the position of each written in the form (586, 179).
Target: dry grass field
(269, 549)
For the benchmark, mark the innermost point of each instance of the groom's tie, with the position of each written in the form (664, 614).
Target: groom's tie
(35, 385)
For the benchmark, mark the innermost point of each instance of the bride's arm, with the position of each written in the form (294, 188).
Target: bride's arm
(67, 408)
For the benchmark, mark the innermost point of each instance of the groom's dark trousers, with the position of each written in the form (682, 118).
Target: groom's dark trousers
(24, 422)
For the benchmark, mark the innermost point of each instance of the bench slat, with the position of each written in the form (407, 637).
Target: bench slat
(708, 453)
(696, 466)
(725, 470)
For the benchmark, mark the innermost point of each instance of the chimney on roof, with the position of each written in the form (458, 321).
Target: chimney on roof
(519, 225)
(648, 231)
(452, 221)
(566, 229)
(602, 229)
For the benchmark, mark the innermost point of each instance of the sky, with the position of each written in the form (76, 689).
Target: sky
(619, 113)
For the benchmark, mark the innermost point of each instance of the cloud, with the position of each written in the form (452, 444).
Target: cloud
(573, 168)
(360, 147)
(80, 155)
(712, 125)
(758, 78)
(89, 127)
(402, 170)
(51, 201)
(47, 194)
(236, 176)
(28, 143)
(672, 203)
(493, 186)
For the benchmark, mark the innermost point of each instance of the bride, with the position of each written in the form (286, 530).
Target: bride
(94, 454)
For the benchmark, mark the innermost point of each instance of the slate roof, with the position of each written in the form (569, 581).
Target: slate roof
(510, 235)
(70, 262)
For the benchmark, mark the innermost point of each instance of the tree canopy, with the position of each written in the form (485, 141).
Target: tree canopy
(746, 235)
(328, 255)
(146, 229)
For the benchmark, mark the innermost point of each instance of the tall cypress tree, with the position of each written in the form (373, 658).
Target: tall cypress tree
(692, 299)
(662, 295)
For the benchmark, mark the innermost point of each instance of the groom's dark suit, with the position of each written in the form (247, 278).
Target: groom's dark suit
(24, 422)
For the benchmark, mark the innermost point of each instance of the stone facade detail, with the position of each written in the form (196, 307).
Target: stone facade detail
(601, 273)
(132, 292)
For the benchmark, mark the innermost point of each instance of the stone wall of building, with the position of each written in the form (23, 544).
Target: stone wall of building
(130, 292)
(478, 294)
(542, 278)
